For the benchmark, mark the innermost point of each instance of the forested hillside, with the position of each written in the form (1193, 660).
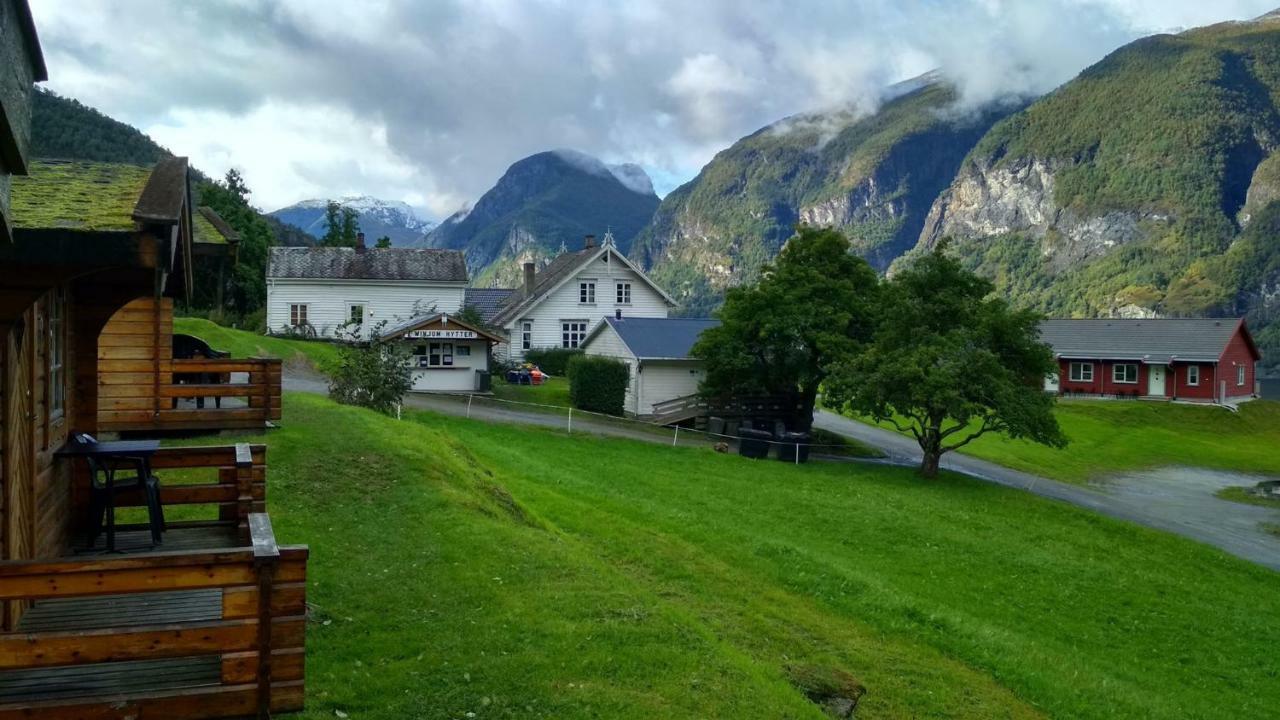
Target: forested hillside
(873, 177)
(1144, 187)
(66, 129)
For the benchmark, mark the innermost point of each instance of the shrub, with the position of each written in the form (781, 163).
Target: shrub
(375, 375)
(598, 384)
(552, 361)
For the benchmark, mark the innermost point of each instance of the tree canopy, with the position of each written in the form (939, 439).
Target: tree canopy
(247, 286)
(342, 224)
(813, 305)
(949, 363)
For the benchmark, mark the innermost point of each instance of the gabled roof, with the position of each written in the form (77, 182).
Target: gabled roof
(209, 228)
(406, 264)
(656, 338)
(557, 272)
(1148, 340)
(425, 322)
(487, 301)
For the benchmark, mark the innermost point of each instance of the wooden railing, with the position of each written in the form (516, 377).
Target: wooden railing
(232, 393)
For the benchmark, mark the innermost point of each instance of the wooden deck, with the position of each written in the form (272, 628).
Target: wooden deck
(209, 624)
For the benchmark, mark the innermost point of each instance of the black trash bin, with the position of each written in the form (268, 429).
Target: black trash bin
(753, 443)
(484, 382)
(791, 443)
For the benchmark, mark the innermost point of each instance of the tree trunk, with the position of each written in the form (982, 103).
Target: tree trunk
(931, 448)
(803, 420)
(929, 463)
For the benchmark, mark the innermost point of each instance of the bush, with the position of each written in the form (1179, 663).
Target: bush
(598, 384)
(552, 361)
(375, 375)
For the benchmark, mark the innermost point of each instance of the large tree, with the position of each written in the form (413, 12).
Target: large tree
(247, 286)
(949, 363)
(813, 306)
(342, 224)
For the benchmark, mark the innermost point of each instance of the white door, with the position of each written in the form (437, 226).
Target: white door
(1051, 384)
(1155, 380)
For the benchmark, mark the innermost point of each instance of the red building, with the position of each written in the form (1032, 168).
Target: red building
(1205, 359)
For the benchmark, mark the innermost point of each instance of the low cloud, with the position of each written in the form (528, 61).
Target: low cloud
(430, 102)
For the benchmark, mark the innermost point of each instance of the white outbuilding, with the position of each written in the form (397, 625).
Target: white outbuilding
(657, 352)
(447, 354)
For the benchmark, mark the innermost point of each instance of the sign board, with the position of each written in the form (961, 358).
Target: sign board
(442, 334)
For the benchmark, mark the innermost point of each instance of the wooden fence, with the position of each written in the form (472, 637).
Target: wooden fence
(133, 395)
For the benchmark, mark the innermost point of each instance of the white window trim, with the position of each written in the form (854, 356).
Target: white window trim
(1121, 381)
(1240, 373)
(304, 316)
(567, 335)
(364, 311)
(1193, 380)
(526, 334)
(622, 292)
(1082, 366)
(587, 291)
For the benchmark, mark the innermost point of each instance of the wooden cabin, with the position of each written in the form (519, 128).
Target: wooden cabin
(211, 622)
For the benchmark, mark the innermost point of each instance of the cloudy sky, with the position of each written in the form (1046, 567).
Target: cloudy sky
(429, 101)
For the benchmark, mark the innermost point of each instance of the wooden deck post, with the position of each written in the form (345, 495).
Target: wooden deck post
(266, 556)
(244, 489)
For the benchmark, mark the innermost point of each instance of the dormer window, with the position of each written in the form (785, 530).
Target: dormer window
(624, 293)
(587, 292)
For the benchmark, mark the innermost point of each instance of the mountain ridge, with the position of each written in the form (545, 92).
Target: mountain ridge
(394, 219)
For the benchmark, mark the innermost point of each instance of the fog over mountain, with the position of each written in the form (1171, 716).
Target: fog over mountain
(426, 103)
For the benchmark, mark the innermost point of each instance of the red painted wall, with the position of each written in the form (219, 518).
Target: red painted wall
(1180, 388)
(1102, 382)
(1237, 353)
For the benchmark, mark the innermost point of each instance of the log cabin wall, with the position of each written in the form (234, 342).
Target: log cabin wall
(134, 350)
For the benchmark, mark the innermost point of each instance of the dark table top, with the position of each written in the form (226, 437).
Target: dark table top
(111, 448)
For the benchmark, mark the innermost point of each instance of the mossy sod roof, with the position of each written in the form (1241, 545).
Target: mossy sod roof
(205, 232)
(78, 195)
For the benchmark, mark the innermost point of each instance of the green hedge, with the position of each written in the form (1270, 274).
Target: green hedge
(598, 384)
(552, 361)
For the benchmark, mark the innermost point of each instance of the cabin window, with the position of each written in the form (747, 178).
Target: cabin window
(355, 313)
(57, 355)
(1081, 372)
(587, 292)
(526, 334)
(1239, 375)
(1126, 373)
(572, 333)
(1193, 374)
(297, 315)
(440, 355)
(463, 351)
(624, 293)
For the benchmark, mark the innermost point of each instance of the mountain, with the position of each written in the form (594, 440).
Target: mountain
(542, 202)
(1147, 186)
(64, 128)
(873, 176)
(395, 220)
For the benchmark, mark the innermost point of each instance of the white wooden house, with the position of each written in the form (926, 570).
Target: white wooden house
(337, 292)
(656, 350)
(569, 298)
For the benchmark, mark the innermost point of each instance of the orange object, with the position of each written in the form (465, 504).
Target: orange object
(536, 376)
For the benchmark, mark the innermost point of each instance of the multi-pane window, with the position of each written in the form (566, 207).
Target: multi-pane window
(624, 293)
(1193, 374)
(355, 313)
(57, 354)
(526, 335)
(572, 333)
(297, 315)
(587, 292)
(1081, 372)
(1126, 373)
(440, 355)
(1239, 375)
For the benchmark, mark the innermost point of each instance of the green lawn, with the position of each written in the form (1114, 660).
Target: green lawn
(506, 571)
(1108, 437)
(555, 391)
(317, 353)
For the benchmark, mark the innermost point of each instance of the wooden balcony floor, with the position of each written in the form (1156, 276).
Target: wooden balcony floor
(137, 539)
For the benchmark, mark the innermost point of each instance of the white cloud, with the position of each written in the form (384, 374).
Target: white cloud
(429, 102)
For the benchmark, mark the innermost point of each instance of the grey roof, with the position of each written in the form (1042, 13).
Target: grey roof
(660, 338)
(1148, 340)
(326, 263)
(487, 301)
(545, 279)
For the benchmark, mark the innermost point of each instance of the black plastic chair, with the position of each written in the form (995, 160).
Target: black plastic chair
(107, 483)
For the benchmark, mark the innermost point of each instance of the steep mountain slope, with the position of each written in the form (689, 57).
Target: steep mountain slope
(395, 220)
(874, 177)
(63, 128)
(1143, 187)
(541, 202)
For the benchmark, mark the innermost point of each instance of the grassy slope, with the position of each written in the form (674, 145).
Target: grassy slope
(512, 572)
(1111, 437)
(241, 344)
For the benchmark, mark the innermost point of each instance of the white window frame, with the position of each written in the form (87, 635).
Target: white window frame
(587, 292)
(364, 312)
(1240, 373)
(572, 333)
(1115, 375)
(439, 354)
(526, 334)
(1193, 375)
(1073, 376)
(623, 293)
(57, 355)
(298, 313)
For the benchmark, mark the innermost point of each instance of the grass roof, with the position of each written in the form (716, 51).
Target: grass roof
(204, 231)
(77, 195)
